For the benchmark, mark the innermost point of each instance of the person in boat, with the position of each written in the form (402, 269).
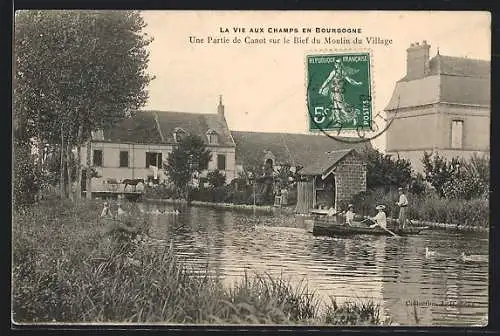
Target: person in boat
(380, 218)
(403, 205)
(349, 215)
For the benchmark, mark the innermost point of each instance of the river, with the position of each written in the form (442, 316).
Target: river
(393, 272)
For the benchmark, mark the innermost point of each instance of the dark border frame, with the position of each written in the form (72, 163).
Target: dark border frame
(7, 9)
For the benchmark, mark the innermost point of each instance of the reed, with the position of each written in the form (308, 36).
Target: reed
(428, 207)
(68, 268)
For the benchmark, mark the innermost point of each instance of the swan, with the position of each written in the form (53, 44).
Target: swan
(474, 257)
(429, 253)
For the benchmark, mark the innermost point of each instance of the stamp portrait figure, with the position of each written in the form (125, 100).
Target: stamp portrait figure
(333, 87)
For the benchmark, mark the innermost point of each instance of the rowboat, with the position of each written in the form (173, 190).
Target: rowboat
(330, 227)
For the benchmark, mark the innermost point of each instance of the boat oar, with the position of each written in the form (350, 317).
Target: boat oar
(392, 233)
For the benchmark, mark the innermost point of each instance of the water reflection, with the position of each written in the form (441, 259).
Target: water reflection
(392, 272)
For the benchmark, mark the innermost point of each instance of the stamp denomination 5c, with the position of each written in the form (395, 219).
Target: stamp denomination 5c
(339, 91)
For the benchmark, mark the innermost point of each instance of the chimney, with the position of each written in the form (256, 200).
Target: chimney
(220, 107)
(417, 56)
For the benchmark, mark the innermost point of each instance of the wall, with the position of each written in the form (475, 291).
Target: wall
(137, 160)
(413, 128)
(417, 132)
(350, 179)
(476, 129)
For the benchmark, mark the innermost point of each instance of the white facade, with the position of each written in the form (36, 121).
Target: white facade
(136, 167)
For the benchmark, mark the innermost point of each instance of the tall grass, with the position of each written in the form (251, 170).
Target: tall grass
(68, 267)
(428, 207)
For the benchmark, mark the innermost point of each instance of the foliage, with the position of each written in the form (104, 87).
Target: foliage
(383, 170)
(75, 72)
(471, 179)
(189, 156)
(458, 178)
(418, 185)
(216, 178)
(68, 268)
(438, 170)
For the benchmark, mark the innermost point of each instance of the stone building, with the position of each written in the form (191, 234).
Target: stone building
(441, 105)
(336, 178)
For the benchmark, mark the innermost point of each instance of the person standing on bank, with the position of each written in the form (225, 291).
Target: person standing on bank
(403, 205)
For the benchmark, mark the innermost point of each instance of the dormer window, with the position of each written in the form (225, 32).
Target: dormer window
(213, 137)
(179, 133)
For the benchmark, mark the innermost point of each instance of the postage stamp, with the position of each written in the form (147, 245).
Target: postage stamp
(339, 91)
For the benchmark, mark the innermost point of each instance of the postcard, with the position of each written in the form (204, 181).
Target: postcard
(318, 168)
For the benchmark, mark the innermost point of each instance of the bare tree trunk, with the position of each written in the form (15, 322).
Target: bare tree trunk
(61, 178)
(89, 173)
(78, 189)
(69, 167)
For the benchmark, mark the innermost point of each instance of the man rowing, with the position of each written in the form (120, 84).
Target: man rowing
(403, 204)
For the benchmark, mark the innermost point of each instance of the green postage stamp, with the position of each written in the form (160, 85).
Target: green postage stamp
(339, 91)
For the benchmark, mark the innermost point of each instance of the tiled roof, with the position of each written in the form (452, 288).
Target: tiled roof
(155, 127)
(140, 129)
(324, 163)
(449, 79)
(290, 148)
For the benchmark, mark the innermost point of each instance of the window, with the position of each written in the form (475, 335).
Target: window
(153, 159)
(221, 162)
(457, 127)
(123, 159)
(213, 138)
(179, 133)
(97, 158)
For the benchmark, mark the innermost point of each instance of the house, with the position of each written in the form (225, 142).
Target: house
(332, 169)
(137, 147)
(441, 105)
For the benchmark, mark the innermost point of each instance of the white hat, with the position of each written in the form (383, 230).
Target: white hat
(380, 207)
(400, 189)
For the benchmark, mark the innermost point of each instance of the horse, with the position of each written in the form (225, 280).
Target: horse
(132, 182)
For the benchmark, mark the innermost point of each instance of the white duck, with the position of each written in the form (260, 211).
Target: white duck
(429, 253)
(474, 257)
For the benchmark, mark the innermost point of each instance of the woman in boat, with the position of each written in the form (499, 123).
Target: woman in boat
(380, 218)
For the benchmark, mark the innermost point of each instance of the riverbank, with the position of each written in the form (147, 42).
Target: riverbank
(291, 210)
(68, 267)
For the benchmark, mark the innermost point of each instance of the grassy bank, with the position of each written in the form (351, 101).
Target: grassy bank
(69, 267)
(428, 207)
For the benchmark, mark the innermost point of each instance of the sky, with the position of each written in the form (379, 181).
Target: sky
(263, 85)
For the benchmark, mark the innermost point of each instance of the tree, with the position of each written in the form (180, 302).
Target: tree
(76, 72)
(383, 170)
(216, 178)
(189, 156)
(438, 170)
